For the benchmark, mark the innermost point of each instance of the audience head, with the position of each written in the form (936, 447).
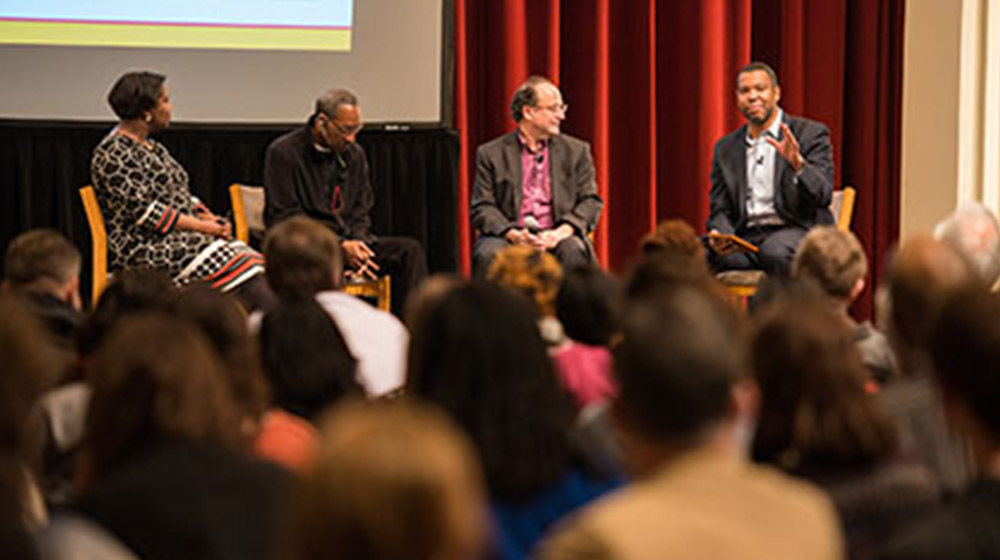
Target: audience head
(155, 378)
(833, 260)
(428, 294)
(44, 261)
(303, 258)
(532, 273)
(224, 324)
(921, 276)
(137, 95)
(306, 359)
(130, 292)
(393, 481)
(814, 411)
(678, 238)
(478, 354)
(974, 232)
(589, 305)
(664, 271)
(677, 366)
(337, 119)
(965, 347)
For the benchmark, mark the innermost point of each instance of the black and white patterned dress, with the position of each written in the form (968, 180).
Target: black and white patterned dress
(142, 191)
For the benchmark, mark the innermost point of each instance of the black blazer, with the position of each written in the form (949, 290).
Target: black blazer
(496, 194)
(804, 203)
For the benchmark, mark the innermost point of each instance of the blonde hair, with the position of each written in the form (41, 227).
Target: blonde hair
(533, 273)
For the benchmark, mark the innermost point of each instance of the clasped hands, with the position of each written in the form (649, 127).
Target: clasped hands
(213, 224)
(360, 258)
(544, 240)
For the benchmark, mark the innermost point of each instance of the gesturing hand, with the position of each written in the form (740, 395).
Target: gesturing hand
(787, 147)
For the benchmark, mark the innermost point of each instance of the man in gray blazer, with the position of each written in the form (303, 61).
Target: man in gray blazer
(772, 179)
(535, 186)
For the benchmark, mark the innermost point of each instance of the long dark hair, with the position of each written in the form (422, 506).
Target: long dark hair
(478, 353)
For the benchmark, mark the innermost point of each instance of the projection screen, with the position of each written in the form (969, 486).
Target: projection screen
(227, 61)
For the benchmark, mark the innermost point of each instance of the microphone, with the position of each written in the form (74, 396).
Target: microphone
(531, 223)
(540, 158)
(760, 159)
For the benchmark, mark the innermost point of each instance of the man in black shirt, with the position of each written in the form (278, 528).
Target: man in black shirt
(320, 171)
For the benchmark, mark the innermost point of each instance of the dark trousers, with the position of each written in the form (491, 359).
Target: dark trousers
(570, 252)
(403, 259)
(777, 249)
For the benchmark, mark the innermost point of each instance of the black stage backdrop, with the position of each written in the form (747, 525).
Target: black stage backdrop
(43, 164)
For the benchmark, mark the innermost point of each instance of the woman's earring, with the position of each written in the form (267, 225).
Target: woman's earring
(148, 118)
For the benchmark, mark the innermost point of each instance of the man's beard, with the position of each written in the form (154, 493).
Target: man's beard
(758, 121)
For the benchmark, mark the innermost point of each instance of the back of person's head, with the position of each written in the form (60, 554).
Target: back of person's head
(306, 359)
(676, 237)
(130, 292)
(589, 305)
(478, 354)
(966, 351)
(832, 259)
(974, 232)
(392, 481)
(664, 271)
(814, 412)
(223, 321)
(31, 365)
(677, 362)
(42, 259)
(155, 378)
(534, 274)
(428, 293)
(303, 258)
(922, 275)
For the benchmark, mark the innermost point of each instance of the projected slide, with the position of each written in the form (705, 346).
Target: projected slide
(321, 25)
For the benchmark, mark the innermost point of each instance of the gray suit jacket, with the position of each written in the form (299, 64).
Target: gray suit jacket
(804, 203)
(496, 194)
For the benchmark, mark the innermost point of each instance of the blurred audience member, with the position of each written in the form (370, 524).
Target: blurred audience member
(922, 275)
(477, 354)
(676, 238)
(310, 368)
(428, 293)
(30, 365)
(834, 261)
(966, 354)
(162, 468)
(44, 267)
(686, 415)
(974, 232)
(305, 261)
(818, 422)
(535, 275)
(393, 481)
(589, 307)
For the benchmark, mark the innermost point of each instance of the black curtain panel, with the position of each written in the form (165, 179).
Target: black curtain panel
(43, 164)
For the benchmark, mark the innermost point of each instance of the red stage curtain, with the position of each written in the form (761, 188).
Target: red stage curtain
(650, 85)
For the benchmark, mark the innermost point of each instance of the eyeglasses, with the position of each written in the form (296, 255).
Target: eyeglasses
(347, 130)
(557, 108)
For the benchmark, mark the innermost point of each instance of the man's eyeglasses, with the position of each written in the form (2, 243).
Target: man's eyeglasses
(346, 130)
(557, 108)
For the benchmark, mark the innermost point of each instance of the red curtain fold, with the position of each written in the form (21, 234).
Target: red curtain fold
(650, 85)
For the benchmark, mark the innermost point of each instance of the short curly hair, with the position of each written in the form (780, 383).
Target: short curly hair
(530, 272)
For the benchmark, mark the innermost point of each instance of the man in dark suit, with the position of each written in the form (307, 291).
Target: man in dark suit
(535, 186)
(772, 179)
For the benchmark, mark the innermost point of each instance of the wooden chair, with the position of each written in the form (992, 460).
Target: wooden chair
(248, 217)
(98, 243)
(742, 284)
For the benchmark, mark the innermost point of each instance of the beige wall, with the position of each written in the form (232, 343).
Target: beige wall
(930, 113)
(951, 109)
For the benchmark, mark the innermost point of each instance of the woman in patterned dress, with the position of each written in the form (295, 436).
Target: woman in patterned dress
(152, 219)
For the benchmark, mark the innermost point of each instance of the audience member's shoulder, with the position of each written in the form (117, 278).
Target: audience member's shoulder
(968, 528)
